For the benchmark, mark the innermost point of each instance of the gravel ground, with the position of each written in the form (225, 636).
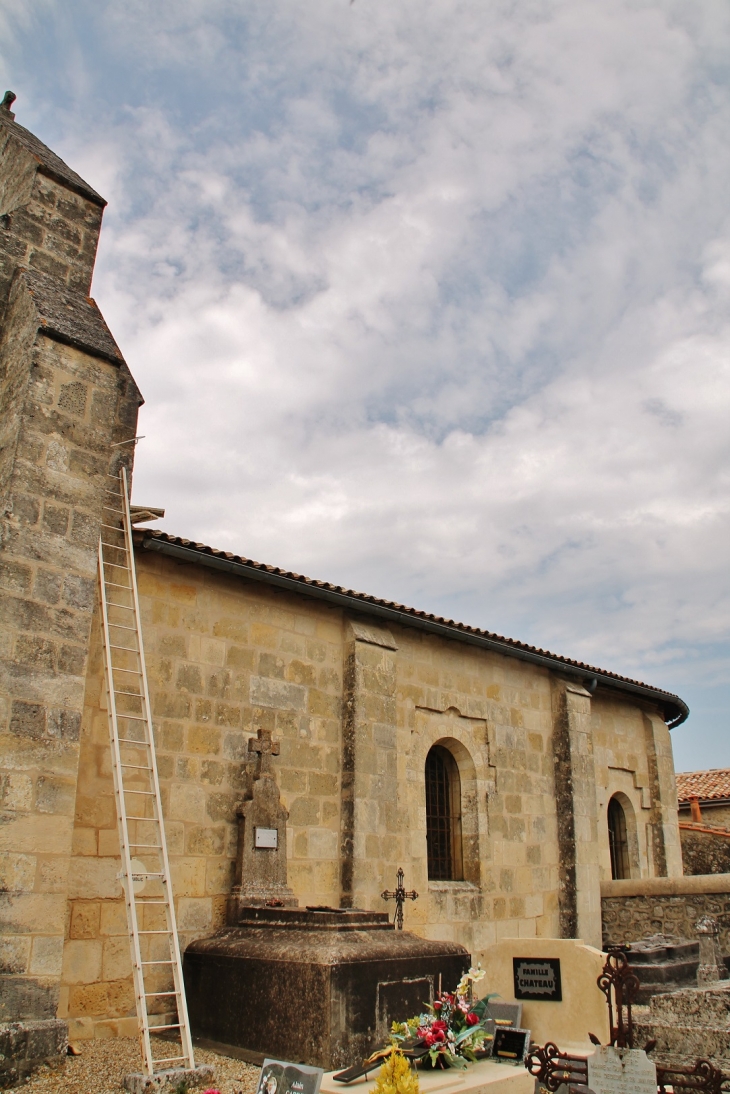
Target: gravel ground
(103, 1064)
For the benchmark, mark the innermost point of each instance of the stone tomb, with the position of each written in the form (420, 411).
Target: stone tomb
(581, 1010)
(319, 985)
(486, 1077)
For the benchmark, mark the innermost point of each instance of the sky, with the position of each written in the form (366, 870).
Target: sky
(426, 299)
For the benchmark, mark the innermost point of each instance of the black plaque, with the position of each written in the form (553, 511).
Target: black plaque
(280, 1077)
(511, 1045)
(537, 978)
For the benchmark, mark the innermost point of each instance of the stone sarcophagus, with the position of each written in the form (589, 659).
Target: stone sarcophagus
(314, 986)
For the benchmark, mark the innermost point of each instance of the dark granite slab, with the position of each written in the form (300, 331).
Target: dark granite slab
(318, 987)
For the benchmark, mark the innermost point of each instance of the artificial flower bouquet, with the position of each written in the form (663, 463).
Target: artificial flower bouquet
(453, 1029)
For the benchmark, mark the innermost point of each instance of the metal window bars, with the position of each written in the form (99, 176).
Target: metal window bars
(145, 873)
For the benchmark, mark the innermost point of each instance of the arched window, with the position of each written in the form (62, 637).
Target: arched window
(443, 816)
(618, 840)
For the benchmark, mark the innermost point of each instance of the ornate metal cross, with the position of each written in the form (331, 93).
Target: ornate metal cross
(399, 895)
(266, 748)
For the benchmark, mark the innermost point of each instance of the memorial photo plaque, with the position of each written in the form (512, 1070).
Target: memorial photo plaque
(280, 1077)
(537, 978)
(266, 837)
(621, 1071)
(510, 1045)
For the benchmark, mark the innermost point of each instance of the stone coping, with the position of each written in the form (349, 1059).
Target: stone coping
(488, 1076)
(667, 886)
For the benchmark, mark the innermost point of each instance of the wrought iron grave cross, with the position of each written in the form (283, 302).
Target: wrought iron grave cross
(266, 748)
(399, 895)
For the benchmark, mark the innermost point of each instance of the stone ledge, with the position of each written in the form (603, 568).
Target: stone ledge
(25, 1046)
(667, 886)
(167, 1082)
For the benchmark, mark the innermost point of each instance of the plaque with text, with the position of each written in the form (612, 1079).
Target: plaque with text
(510, 1045)
(266, 837)
(537, 978)
(621, 1071)
(280, 1077)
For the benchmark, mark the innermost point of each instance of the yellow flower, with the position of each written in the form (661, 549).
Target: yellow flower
(396, 1076)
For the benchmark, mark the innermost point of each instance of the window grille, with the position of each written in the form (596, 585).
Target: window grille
(443, 816)
(618, 841)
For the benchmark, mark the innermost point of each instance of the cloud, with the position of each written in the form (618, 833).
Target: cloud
(427, 299)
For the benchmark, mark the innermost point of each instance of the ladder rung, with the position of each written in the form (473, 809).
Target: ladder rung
(113, 604)
(149, 994)
(132, 717)
(134, 672)
(146, 873)
(151, 819)
(127, 648)
(155, 932)
(154, 1029)
(134, 694)
(136, 767)
(114, 547)
(113, 509)
(121, 627)
(149, 846)
(150, 900)
(112, 527)
(116, 566)
(114, 585)
(157, 962)
(129, 741)
(167, 1059)
(146, 793)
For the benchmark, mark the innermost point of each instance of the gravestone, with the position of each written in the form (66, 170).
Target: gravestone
(712, 965)
(621, 1071)
(319, 986)
(555, 980)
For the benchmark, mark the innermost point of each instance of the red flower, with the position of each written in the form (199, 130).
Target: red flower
(472, 1019)
(439, 1025)
(437, 1004)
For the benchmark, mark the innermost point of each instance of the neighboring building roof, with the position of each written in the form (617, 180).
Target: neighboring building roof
(49, 163)
(68, 316)
(710, 785)
(675, 709)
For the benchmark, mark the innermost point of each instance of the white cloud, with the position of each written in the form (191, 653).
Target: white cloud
(430, 299)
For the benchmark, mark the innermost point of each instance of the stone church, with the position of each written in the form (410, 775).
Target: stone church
(506, 781)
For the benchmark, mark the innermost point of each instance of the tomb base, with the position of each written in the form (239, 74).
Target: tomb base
(314, 987)
(486, 1077)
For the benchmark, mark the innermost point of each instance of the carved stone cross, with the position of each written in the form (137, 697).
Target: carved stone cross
(266, 748)
(399, 895)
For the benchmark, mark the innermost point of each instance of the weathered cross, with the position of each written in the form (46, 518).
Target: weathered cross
(266, 748)
(399, 895)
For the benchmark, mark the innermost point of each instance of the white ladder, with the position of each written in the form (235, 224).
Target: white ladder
(145, 873)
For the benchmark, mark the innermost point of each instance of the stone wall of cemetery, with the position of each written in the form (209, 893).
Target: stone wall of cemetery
(638, 908)
(356, 705)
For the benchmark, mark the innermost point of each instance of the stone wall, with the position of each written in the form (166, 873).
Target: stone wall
(636, 909)
(704, 852)
(66, 396)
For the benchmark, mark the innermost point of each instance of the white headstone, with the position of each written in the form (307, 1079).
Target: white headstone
(621, 1071)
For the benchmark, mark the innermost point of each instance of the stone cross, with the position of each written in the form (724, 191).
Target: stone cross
(711, 967)
(266, 748)
(399, 895)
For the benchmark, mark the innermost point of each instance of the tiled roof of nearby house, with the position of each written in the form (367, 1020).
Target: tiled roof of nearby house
(675, 709)
(704, 785)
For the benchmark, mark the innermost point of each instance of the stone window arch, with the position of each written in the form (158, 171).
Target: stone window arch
(619, 833)
(443, 816)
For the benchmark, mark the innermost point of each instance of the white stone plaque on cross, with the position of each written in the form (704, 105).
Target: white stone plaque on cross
(621, 1071)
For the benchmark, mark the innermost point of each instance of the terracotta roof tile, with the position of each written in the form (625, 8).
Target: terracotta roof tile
(704, 785)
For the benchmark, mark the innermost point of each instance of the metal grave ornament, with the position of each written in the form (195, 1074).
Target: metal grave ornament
(399, 895)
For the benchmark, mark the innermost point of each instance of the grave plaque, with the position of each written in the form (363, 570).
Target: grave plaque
(621, 1071)
(510, 1044)
(537, 978)
(267, 837)
(280, 1077)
